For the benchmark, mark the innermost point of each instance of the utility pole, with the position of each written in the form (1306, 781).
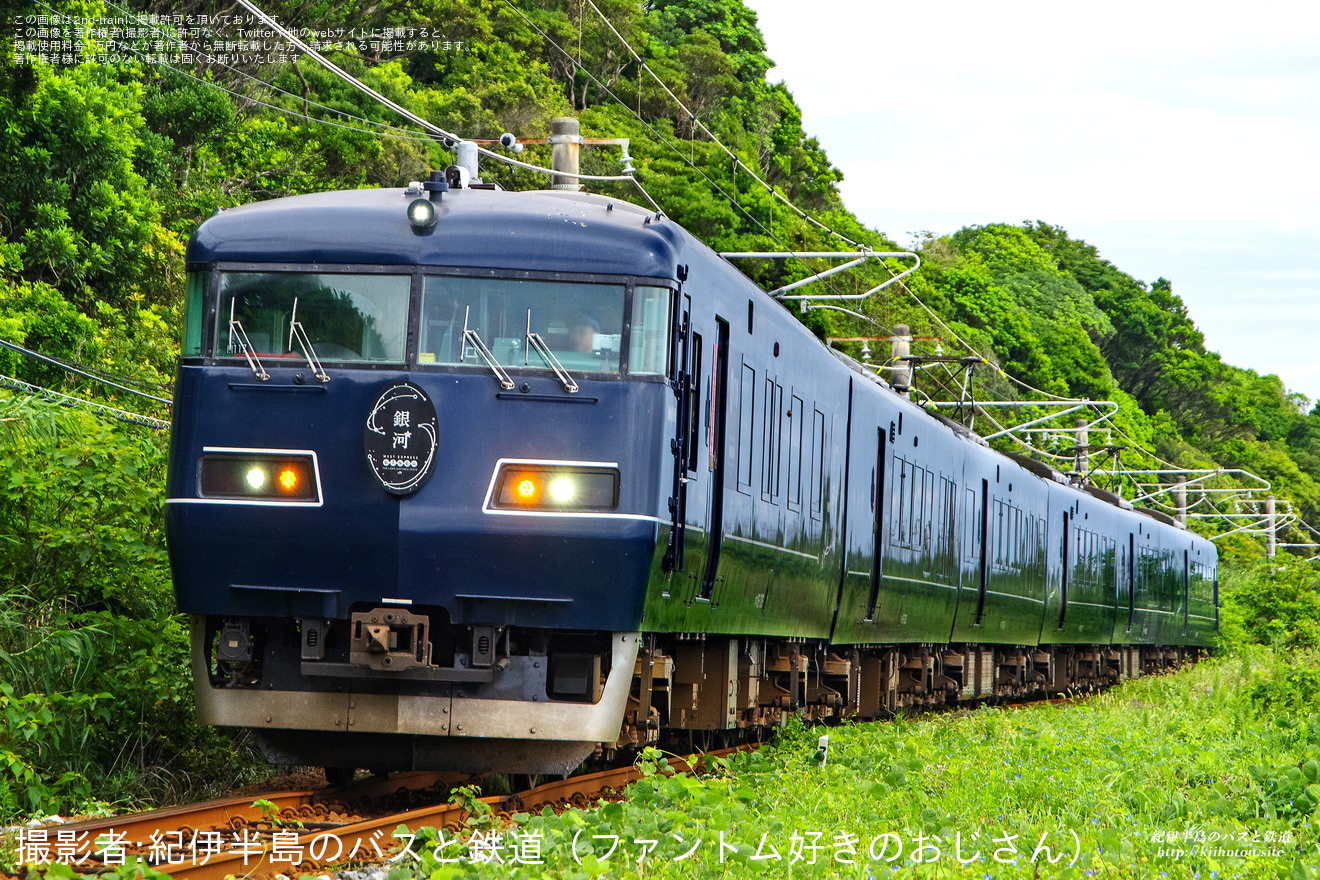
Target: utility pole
(1270, 539)
(1082, 440)
(565, 144)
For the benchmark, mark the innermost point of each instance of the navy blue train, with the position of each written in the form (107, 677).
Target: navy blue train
(467, 479)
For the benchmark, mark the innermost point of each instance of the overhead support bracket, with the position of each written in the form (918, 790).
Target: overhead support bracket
(854, 258)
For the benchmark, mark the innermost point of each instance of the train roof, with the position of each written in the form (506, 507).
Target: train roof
(542, 230)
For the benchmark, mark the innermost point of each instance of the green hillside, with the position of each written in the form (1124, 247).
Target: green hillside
(109, 167)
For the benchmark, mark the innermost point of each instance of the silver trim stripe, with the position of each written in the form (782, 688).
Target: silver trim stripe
(556, 514)
(240, 502)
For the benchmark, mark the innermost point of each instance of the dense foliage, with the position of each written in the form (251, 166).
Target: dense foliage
(109, 167)
(1214, 772)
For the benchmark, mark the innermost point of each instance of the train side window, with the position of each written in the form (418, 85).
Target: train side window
(970, 533)
(648, 340)
(746, 412)
(194, 309)
(817, 462)
(898, 505)
(772, 427)
(796, 420)
(997, 556)
(927, 511)
(946, 548)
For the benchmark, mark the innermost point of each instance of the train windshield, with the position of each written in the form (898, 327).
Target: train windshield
(345, 317)
(582, 325)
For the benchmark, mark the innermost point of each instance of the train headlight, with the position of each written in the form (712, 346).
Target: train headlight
(257, 476)
(562, 490)
(556, 487)
(421, 214)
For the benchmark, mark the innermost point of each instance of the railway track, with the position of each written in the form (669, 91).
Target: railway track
(297, 832)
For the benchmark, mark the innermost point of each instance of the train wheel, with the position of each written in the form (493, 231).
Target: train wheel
(339, 777)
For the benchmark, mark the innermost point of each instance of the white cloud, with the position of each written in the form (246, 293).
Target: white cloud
(1183, 140)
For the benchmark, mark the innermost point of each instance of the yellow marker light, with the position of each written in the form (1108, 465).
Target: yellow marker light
(288, 479)
(526, 489)
(256, 478)
(562, 490)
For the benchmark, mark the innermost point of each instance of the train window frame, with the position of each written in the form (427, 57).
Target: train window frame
(213, 272)
(294, 356)
(197, 300)
(630, 284)
(796, 417)
(817, 463)
(746, 427)
(772, 440)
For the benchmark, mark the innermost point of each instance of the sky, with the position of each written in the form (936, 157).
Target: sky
(1180, 139)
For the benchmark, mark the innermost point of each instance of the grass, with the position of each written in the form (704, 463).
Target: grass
(1210, 773)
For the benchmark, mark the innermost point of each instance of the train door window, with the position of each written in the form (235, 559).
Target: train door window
(796, 419)
(773, 435)
(746, 413)
(877, 521)
(694, 403)
(817, 462)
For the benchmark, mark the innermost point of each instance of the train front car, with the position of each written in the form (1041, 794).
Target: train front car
(417, 472)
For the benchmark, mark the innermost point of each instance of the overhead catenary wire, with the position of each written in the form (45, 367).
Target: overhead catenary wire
(770, 233)
(696, 121)
(507, 160)
(68, 400)
(65, 366)
(408, 114)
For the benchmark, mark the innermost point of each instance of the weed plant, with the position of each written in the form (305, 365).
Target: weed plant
(96, 708)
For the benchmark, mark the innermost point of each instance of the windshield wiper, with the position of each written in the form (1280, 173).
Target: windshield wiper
(472, 337)
(239, 335)
(534, 341)
(296, 331)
